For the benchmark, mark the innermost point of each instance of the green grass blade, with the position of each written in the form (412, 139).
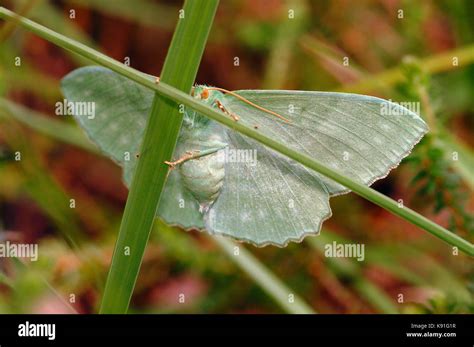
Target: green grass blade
(375, 296)
(178, 96)
(465, 161)
(283, 51)
(144, 12)
(433, 64)
(68, 133)
(347, 268)
(265, 278)
(179, 70)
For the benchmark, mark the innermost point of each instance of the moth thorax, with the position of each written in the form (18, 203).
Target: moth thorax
(204, 178)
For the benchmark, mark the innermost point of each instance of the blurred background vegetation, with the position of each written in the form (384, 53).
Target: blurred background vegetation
(401, 50)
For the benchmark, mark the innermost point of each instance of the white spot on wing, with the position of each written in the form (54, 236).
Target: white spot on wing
(245, 216)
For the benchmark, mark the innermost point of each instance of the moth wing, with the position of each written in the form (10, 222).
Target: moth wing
(121, 109)
(121, 112)
(280, 200)
(271, 202)
(361, 136)
(178, 206)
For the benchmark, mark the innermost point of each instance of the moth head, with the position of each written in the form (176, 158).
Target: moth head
(202, 93)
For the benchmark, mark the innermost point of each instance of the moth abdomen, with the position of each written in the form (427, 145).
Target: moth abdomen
(204, 177)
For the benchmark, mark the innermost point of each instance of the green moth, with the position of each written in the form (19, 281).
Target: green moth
(226, 183)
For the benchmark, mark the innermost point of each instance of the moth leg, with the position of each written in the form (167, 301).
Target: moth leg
(187, 156)
(226, 111)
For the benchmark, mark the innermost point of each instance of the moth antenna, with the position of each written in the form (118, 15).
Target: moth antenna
(249, 102)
